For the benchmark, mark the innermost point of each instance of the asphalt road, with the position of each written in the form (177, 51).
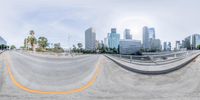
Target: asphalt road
(112, 83)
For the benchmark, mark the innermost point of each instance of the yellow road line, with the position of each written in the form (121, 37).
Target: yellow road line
(89, 84)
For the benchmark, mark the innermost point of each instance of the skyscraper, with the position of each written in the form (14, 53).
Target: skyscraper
(149, 38)
(113, 38)
(195, 41)
(151, 33)
(178, 45)
(127, 34)
(187, 43)
(169, 46)
(90, 39)
(146, 44)
(165, 46)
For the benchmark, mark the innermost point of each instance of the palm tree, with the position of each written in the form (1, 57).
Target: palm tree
(32, 40)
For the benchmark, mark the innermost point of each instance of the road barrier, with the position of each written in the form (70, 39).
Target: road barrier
(155, 69)
(154, 59)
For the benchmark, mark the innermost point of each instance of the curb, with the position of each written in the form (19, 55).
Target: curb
(153, 72)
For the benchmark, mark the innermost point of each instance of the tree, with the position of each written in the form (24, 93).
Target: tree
(12, 47)
(42, 42)
(80, 46)
(74, 48)
(32, 40)
(25, 43)
(198, 47)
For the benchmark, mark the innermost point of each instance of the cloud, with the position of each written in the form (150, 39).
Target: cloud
(56, 19)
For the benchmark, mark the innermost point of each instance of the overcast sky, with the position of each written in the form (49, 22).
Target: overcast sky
(65, 21)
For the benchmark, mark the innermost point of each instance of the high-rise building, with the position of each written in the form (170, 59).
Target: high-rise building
(149, 38)
(146, 44)
(187, 43)
(128, 46)
(191, 42)
(90, 39)
(151, 33)
(156, 44)
(105, 42)
(113, 38)
(169, 46)
(165, 46)
(177, 45)
(2, 41)
(127, 34)
(195, 41)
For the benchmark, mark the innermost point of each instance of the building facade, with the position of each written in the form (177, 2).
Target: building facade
(165, 46)
(178, 45)
(169, 46)
(113, 39)
(146, 44)
(127, 34)
(151, 32)
(128, 46)
(2, 41)
(90, 39)
(149, 40)
(187, 43)
(155, 45)
(195, 41)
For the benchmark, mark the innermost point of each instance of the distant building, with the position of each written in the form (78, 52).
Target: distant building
(165, 46)
(177, 45)
(169, 46)
(105, 42)
(129, 46)
(191, 42)
(2, 41)
(195, 41)
(127, 34)
(149, 40)
(151, 32)
(146, 44)
(187, 43)
(90, 39)
(99, 44)
(113, 38)
(156, 44)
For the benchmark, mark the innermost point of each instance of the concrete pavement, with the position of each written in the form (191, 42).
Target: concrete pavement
(113, 83)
